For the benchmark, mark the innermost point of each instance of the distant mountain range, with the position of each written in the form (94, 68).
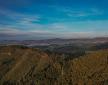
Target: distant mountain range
(57, 41)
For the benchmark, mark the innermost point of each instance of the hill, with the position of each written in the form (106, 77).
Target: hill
(20, 65)
(56, 41)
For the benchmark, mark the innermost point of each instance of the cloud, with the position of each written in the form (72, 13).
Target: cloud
(79, 29)
(15, 34)
(83, 34)
(26, 26)
(75, 12)
(57, 27)
(20, 20)
(84, 13)
(20, 17)
(79, 26)
(9, 33)
(28, 20)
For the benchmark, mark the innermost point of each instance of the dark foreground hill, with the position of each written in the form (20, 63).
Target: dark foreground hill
(20, 65)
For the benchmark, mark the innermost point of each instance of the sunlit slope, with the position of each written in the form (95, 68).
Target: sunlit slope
(91, 69)
(20, 65)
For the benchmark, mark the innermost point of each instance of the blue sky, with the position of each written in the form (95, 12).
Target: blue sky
(42, 19)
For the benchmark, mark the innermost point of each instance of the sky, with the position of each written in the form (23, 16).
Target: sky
(44, 19)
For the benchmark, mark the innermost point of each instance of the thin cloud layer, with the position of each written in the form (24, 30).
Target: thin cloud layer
(53, 19)
(14, 34)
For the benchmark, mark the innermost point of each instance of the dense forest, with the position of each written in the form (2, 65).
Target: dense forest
(21, 65)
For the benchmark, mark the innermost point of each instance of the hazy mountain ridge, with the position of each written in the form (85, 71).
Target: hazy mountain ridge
(56, 41)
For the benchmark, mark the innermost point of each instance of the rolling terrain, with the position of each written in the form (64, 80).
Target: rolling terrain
(56, 41)
(21, 65)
